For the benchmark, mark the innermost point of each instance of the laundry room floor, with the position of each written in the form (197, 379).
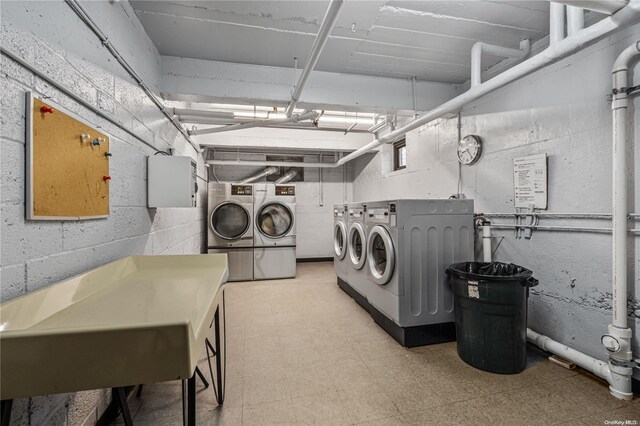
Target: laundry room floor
(301, 351)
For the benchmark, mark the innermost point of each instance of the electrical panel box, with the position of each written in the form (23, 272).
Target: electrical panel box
(171, 181)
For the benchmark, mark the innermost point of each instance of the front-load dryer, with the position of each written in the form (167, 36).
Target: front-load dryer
(410, 243)
(274, 210)
(230, 227)
(340, 245)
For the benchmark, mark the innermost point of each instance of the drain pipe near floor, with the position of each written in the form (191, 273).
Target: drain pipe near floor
(593, 365)
(618, 341)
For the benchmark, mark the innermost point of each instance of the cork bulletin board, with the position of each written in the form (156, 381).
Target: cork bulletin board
(67, 165)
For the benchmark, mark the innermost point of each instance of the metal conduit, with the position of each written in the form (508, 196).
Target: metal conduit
(84, 16)
(97, 111)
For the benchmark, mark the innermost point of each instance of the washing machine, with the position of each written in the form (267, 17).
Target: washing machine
(340, 229)
(410, 243)
(230, 227)
(274, 235)
(357, 249)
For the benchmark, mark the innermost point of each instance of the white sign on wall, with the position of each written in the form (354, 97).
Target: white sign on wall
(530, 181)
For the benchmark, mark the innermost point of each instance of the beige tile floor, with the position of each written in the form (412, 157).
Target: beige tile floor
(301, 351)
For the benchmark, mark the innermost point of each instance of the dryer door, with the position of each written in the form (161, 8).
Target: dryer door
(339, 240)
(230, 220)
(357, 245)
(381, 255)
(274, 220)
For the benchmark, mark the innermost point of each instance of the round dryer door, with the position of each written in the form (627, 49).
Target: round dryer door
(381, 257)
(340, 240)
(357, 249)
(274, 220)
(230, 221)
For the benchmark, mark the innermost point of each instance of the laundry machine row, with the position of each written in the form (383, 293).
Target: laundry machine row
(398, 252)
(255, 226)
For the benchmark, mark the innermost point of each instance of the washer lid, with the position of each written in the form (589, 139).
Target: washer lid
(381, 256)
(274, 220)
(339, 240)
(230, 220)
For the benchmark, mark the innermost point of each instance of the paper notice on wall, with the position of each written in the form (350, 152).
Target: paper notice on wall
(530, 181)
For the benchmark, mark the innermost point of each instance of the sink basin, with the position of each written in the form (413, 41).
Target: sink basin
(140, 319)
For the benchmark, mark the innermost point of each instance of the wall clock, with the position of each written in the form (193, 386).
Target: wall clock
(469, 149)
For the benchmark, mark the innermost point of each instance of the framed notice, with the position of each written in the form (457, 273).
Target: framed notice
(530, 181)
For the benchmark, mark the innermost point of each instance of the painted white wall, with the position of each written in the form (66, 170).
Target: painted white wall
(37, 254)
(314, 201)
(563, 111)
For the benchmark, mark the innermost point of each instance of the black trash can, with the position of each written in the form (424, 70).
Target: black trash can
(490, 301)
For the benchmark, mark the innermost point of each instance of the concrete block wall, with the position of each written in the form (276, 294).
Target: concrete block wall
(314, 201)
(561, 110)
(35, 254)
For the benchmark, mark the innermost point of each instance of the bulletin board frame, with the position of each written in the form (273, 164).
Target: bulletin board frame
(30, 213)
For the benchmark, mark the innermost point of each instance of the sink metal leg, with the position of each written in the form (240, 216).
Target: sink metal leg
(6, 411)
(204, 379)
(219, 376)
(189, 401)
(218, 352)
(121, 399)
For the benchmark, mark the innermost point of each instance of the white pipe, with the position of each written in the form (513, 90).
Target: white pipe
(619, 213)
(603, 6)
(203, 113)
(287, 176)
(480, 47)
(551, 54)
(486, 242)
(575, 20)
(556, 22)
(266, 172)
(595, 366)
(321, 39)
(307, 115)
(271, 163)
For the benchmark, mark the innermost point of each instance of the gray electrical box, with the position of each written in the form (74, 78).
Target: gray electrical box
(171, 181)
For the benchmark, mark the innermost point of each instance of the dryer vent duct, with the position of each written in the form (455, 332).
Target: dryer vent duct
(287, 176)
(266, 172)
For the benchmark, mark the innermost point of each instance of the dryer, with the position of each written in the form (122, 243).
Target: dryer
(274, 234)
(340, 229)
(230, 227)
(410, 243)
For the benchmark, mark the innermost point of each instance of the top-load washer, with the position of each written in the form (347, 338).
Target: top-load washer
(340, 229)
(230, 227)
(274, 210)
(410, 243)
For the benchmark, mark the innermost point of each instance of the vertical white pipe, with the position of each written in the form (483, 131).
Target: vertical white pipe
(556, 22)
(619, 106)
(575, 19)
(486, 242)
(476, 64)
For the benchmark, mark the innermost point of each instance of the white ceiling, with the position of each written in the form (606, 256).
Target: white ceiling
(430, 40)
